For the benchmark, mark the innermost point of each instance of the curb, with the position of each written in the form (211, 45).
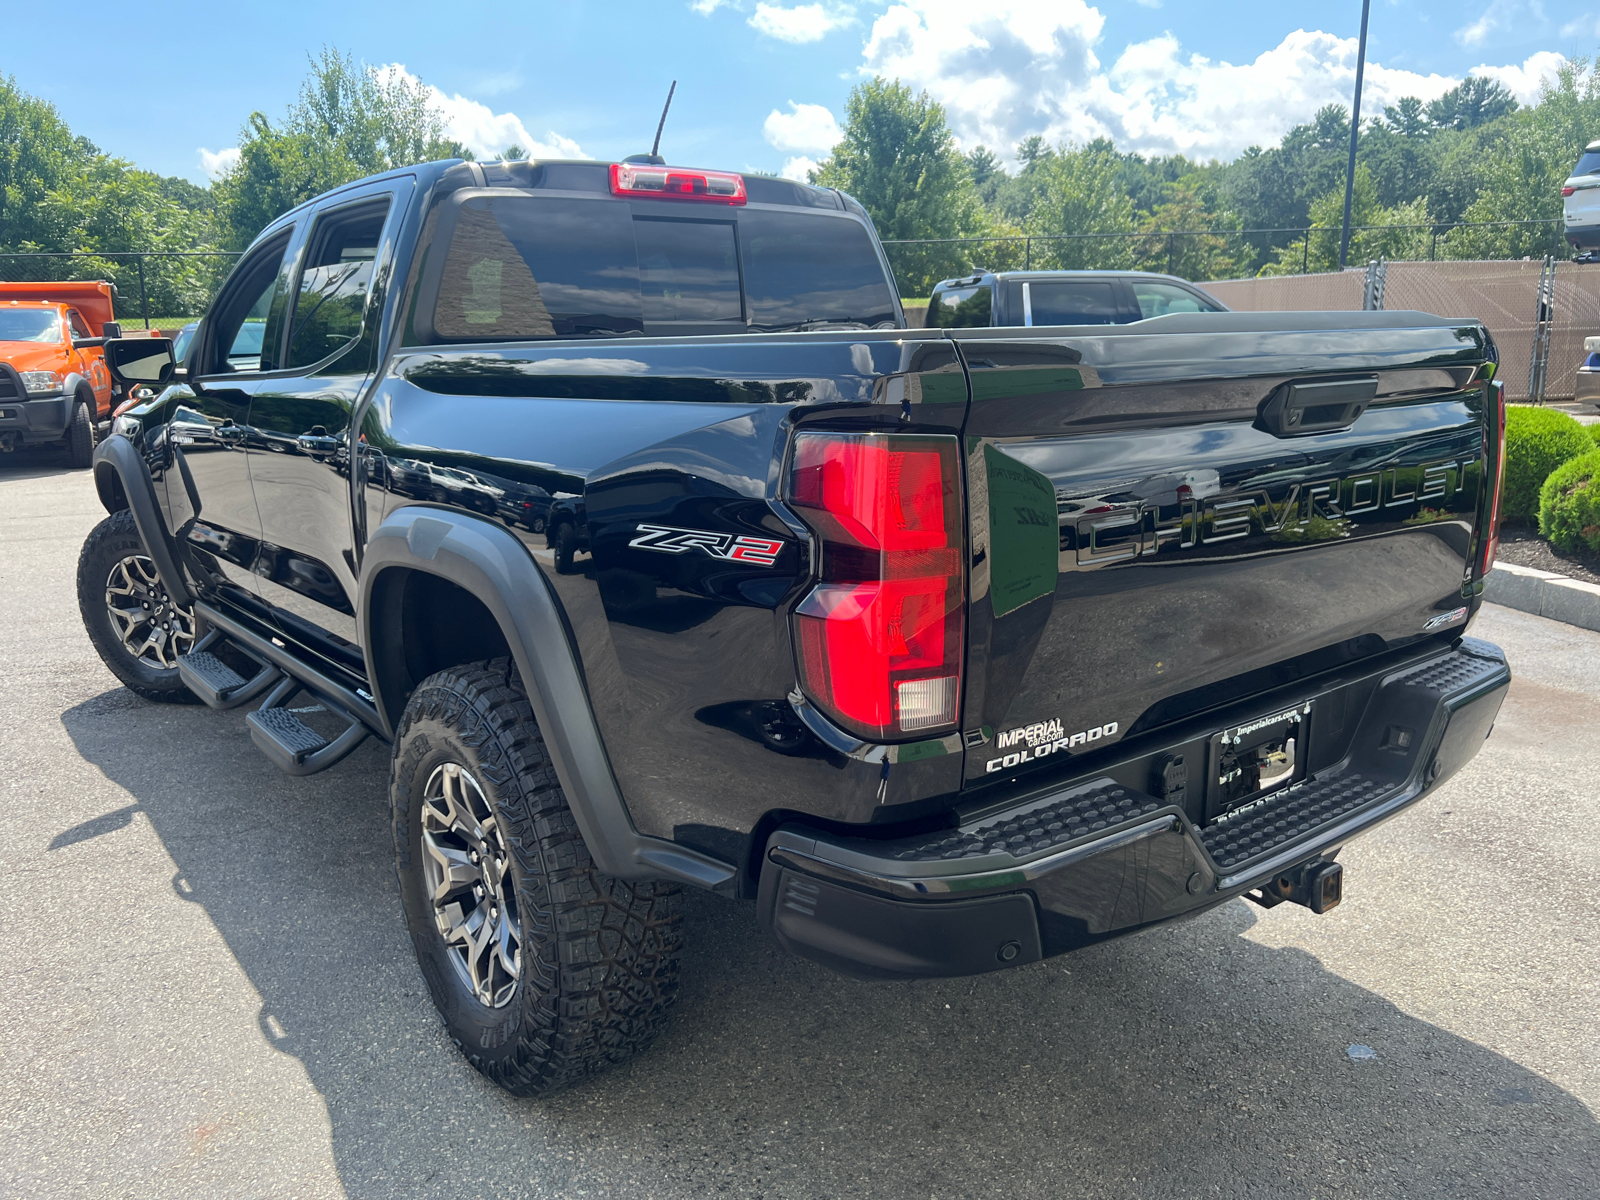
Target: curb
(1545, 594)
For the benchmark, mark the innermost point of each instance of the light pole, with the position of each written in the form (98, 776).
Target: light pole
(1355, 132)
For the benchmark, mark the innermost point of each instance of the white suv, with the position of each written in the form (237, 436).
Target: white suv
(1580, 200)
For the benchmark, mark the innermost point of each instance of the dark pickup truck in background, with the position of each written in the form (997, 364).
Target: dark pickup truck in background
(1028, 298)
(951, 649)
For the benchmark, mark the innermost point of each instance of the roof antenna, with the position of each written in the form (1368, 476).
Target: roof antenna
(654, 158)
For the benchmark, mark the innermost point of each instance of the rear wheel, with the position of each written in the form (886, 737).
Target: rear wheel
(80, 436)
(563, 540)
(134, 624)
(544, 970)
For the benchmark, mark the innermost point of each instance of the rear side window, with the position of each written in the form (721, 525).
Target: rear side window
(960, 308)
(1069, 302)
(549, 268)
(522, 267)
(1589, 164)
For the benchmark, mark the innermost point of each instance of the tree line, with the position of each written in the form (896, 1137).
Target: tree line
(1472, 155)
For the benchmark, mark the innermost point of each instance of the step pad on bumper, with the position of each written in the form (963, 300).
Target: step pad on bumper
(1281, 818)
(1074, 816)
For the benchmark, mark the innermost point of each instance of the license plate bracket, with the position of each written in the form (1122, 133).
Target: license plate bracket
(1255, 758)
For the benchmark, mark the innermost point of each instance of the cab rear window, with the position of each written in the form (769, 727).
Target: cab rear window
(519, 267)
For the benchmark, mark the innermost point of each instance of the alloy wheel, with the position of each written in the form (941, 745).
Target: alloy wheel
(152, 628)
(466, 867)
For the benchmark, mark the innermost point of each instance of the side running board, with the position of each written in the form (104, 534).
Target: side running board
(218, 684)
(293, 745)
(290, 743)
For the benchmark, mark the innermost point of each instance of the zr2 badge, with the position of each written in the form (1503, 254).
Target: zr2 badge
(760, 552)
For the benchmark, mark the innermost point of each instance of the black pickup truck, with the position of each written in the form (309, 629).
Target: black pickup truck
(949, 649)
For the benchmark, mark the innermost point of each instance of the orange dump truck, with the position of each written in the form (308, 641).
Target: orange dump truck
(54, 386)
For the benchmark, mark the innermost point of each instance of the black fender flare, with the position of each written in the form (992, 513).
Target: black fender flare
(123, 481)
(482, 557)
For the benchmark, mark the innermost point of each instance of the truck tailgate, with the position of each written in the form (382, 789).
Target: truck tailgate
(1167, 518)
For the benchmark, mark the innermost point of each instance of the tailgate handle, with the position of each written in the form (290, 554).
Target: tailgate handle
(1302, 407)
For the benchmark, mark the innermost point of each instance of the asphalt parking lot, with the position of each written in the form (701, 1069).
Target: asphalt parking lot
(208, 990)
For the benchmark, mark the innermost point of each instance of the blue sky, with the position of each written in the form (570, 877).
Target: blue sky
(763, 82)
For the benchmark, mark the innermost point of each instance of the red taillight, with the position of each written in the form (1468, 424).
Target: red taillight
(675, 183)
(880, 637)
(1567, 191)
(1496, 469)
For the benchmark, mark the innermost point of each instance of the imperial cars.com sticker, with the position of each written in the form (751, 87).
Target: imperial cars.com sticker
(1042, 738)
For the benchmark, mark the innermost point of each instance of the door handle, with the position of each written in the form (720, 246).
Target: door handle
(1302, 407)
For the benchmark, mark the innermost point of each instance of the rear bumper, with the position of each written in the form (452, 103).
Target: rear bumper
(1583, 237)
(1098, 859)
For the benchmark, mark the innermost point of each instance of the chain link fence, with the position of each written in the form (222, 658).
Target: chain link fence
(1202, 255)
(1539, 312)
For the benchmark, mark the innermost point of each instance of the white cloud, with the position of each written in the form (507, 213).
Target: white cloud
(802, 23)
(807, 129)
(485, 132)
(1478, 32)
(1584, 26)
(1525, 81)
(219, 163)
(799, 168)
(706, 7)
(1148, 3)
(1017, 68)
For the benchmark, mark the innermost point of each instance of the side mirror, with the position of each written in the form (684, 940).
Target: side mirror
(133, 361)
(111, 329)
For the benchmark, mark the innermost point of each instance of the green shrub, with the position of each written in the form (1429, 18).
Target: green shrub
(1594, 432)
(1538, 440)
(1569, 505)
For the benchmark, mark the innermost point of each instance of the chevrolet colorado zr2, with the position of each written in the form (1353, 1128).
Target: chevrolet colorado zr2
(949, 650)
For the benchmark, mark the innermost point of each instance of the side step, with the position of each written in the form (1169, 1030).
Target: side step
(218, 684)
(292, 745)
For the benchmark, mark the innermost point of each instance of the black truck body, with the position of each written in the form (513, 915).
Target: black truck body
(1198, 584)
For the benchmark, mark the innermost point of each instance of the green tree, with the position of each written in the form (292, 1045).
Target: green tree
(898, 158)
(1521, 181)
(1400, 232)
(109, 206)
(1474, 102)
(1082, 196)
(1408, 118)
(983, 164)
(1172, 246)
(348, 122)
(38, 153)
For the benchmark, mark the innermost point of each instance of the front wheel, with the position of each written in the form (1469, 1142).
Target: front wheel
(133, 623)
(544, 970)
(80, 437)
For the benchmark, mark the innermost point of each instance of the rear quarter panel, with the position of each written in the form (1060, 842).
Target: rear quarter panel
(686, 654)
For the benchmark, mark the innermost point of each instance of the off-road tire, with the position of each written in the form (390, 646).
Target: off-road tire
(80, 437)
(108, 543)
(563, 540)
(598, 955)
